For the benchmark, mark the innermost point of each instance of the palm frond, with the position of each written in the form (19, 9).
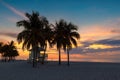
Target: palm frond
(75, 35)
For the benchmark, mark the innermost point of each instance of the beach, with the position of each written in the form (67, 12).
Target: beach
(21, 70)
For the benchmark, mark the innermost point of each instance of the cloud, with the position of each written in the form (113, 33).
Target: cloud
(95, 32)
(115, 31)
(10, 34)
(81, 50)
(100, 46)
(102, 50)
(108, 42)
(108, 29)
(21, 14)
(3, 40)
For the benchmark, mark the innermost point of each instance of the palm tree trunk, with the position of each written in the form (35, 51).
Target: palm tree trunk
(43, 59)
(59, 57)
(34, 56)
(68, 63)
(33, 59)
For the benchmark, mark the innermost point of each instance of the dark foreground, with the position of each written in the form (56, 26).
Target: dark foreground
(21, 70)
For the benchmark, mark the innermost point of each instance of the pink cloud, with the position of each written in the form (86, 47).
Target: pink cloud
(110, 28)
(14, 10)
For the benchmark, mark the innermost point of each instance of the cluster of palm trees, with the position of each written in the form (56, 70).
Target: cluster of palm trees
(38, 32)
(8, 51)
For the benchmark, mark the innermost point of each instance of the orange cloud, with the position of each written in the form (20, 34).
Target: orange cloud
(100, 46)
(97, 32)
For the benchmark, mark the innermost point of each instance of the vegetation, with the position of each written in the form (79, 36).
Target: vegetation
(1, 45)
(33, 35)
(8, 51)
(71, 36)
(48, 36)
(1, 48)
(59, 39)
(38, 32)
(65, 35)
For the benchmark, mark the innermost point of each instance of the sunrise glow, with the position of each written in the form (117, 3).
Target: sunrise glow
(99, 26)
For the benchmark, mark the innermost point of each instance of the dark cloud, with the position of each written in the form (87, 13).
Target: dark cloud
(108, 42)
(78, 50)
(81, 50)
(10, 34)
(101, 50)
(86, 44)
(85, 48)
(115, 31)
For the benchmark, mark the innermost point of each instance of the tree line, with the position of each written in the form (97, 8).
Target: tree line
(8, 51)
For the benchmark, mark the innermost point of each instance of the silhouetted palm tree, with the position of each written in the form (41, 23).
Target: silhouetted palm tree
(12, 51)
(1, 45)
(13, 54)
(71, 36)
(9, 51)
(65, 35)
(48, 35)
(1, 48)
(32, 35)
(59, 34)
(5, 50)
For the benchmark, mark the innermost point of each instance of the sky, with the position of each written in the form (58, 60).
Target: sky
(98, 22)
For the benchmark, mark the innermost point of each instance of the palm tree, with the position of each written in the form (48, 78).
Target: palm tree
(65, 35)
(13, 54)
(59, 39)
(71, 36)
(12, 51)
(9, 51)
(48, 34)
(1, 47)
(5, 50)
(32, 36)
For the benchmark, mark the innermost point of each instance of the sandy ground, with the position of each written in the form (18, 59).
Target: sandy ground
(21, 70)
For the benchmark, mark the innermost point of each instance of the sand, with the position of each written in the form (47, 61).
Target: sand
(21, 70)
